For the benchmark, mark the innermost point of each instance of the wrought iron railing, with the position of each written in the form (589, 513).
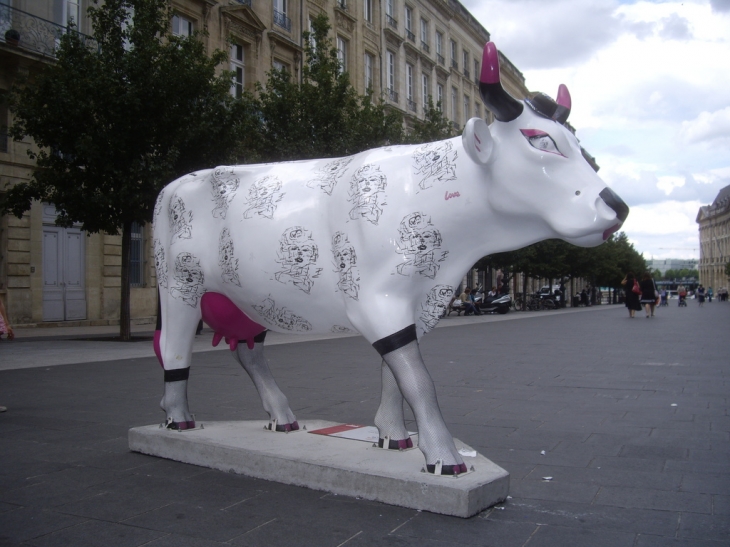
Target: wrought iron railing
(410, 36)
(342, 4)
(244, 2)
(455, 64)
(466, 73)
(440, 59)
(282, 20)
(392, 94)
(412, 105)
(392, 22)
(29, 32)
(425, 47)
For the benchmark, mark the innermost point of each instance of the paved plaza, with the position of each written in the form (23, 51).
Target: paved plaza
(615, 432)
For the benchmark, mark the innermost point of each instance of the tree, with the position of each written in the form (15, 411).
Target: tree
(115, 123)
(323, 116)
(434, 127)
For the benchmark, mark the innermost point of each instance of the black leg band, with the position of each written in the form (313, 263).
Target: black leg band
(396, 340)
(177, 375)
(259, 338)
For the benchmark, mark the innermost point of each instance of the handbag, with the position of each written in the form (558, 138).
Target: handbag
(636, 289)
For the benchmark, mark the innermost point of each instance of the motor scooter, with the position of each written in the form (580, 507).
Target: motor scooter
(495, 304)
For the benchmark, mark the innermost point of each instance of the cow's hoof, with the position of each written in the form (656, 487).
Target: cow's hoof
(294, 426)
(400, 444)
(448, 469)
(179, 426)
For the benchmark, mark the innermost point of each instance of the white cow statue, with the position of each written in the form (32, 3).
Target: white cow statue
(372, 243)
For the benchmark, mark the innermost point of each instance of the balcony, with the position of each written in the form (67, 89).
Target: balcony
(392, 95)
(425, 47)
(244, 2)
(454, 64)
(440, 59)
(466, 73)
(411, 104)
(342, 4)
(280, 19)
(28, 32)
(411, 37)
(391, 22)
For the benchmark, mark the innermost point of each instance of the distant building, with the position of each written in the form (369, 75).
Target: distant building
(714, 221)
(664, 264)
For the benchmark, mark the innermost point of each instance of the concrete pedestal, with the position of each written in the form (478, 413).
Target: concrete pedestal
(340, 466)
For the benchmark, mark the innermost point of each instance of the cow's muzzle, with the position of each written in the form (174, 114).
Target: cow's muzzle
(611, 199)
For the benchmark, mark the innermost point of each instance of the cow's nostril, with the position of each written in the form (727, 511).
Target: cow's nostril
(611, 199)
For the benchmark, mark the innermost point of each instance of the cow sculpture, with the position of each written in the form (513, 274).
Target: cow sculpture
(373, 243)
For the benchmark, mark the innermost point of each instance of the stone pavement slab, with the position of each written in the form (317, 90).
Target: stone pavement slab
(628, 416)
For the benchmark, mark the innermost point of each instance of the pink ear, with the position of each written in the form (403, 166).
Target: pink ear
(490, 64)
(564, 96)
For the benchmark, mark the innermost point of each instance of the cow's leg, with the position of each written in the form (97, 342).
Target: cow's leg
(389, 419)
(275, 402)
(174, 348)
(403, 356)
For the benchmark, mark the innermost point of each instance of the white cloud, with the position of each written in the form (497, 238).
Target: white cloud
(711, 128)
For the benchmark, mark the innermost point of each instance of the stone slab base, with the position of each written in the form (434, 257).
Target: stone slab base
(339, 466)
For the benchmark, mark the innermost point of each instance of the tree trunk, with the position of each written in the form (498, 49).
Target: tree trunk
(125, 333)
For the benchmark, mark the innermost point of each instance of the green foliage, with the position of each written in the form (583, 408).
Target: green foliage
(683, 273)
(323, 116)
(434, 127)
(115, 124)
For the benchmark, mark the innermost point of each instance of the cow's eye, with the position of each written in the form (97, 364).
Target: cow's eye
(541, 140)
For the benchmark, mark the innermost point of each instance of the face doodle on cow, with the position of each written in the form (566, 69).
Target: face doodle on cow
(180, 219)
(281, 317)
(160, 263)
(434, 162)
(263, 195)
(339, 329)
(327, 175)
(188, 279)
(297, 254)
(224, 184)
(437, 301)
(158, 204)
(367, 193)
(346, 265)
(419, 245)
(226, 261)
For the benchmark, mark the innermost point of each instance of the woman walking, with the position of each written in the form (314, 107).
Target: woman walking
(632, 297)
(648, 294)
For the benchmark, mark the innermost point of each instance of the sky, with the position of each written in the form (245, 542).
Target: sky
(650, 88)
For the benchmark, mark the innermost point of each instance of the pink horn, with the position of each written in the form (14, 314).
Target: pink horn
(499, 102)
(564, 104)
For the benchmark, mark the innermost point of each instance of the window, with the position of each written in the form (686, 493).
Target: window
(454, 62)
(311, 35)
(424, 32)
(389, 8)
(454, 103)
(4, 127)
(369, 62)
(439, 43)
(342, 53)
(280, 18)
(440, 97)
(72, 13)
(409, 81)
(465, 55)
(409, 18)
(391, 71)
(368, 7)
(467, 106)
(425, 90)
(477, 110)
(181, 26)
(136, 256)
(280, 6)
(237, 67)
(476, 70)
(278, 65)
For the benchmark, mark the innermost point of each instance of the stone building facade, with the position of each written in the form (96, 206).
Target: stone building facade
(404, 50)
(714, 221)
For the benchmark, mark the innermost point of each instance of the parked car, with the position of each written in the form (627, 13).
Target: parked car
(546, 291)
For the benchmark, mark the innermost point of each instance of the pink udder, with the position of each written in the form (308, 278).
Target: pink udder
(228, 321)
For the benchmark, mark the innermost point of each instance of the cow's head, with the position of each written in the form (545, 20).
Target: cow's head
(541, 177)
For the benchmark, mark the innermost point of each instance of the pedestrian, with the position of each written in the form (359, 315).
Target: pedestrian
(709, 294)
(632, 292)
(649, 294)
(682, 293)
(467, 299)
(701, 295)
(5, 327)
(664, 297)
